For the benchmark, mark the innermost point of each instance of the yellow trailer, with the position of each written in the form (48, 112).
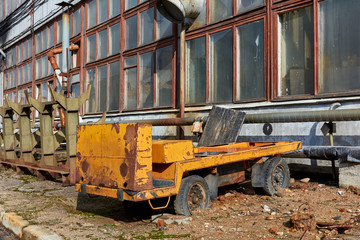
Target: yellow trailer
(123, 161)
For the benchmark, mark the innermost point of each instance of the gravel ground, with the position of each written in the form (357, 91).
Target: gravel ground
(6, 234)
(237, 214)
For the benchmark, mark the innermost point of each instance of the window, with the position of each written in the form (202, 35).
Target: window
(250, 61)
(195, 72)
(38, 68)
(146, 80)
(51, 36)
(76, 22)
(163, 27)
(164, 76)
(59, 31)
(130, 91)
(146, 26)
(19, 59)
(297, 52)
(44, 43)
(221, 67)
(248, 5)
(339, 51)
(24, 76)
(101, 89)
(130, 4)
(91, 48)
(220, 9)
(90, 79)
(114, 39)
(104, 95)
(44, 67)
(38, 42)
(102, 44)
(103, 11)
(75, 85)
(114, 8)
(20, 76)
(114, 77)
(91, 13)
(30, 72)
(131, 32)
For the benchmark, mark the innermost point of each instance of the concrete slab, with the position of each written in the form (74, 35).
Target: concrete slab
(35, 232)
(14, 223)
(349, 175)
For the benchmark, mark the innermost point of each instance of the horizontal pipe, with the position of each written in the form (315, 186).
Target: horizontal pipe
(305, 116)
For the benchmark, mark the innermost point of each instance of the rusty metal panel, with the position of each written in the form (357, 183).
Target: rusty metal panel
(115, 155)
(222, 127)
(169, 151)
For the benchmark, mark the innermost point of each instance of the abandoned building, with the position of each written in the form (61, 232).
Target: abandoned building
(258, 56)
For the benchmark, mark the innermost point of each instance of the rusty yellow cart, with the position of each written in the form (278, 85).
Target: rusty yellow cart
(123, 161)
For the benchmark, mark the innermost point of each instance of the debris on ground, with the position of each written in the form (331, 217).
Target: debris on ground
(237, 214)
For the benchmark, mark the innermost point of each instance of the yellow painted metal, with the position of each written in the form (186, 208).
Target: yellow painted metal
(162, 207)
(169, 151)
(173, 170)
(115, 155)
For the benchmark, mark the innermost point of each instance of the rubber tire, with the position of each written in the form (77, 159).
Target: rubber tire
(181, 202)
(269, 166)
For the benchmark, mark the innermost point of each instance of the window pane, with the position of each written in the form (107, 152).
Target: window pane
(51, 36)
(114, 86)
(195, 72)
(114, 39)
(59, 31)
(103, 11)
(131, 32)
(164, 76)
(339, 46)
(91, 19)
(30, 48)
(114, 8)
(130, 62)
(220, 9)
(24, 48)
(164, 26)
(44, 67)
(147, 26)
(146, 80)
(101, 89)
(38, 42)
(130, 4)
(44, 43)
(38, 68)
(30, 72)
(19, 53)
(90, 79)
(221, 67)
(247, 5)
(44, 92)
(102, 44)
(14, 78)
(20, 76)
(130, 91)
(25, 74)
(77, 22)
(297, 52)
(91, 48)
(250, 61)
(201, 19)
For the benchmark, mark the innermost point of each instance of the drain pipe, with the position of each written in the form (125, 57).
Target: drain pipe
(65, 48)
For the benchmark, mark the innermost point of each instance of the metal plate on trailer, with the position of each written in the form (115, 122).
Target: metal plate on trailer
(222, 127)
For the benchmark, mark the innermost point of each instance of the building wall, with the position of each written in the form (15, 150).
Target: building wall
(253, 55)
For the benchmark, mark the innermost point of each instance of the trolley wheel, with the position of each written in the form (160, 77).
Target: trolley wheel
(277, 175)
(193, 194)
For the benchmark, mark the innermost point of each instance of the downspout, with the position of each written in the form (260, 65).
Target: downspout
(65, 49)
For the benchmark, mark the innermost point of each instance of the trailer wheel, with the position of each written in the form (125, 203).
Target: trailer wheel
(193, 194)
(277, 175)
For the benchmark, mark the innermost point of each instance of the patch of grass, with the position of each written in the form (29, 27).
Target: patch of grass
(28, 179)
(155, 234)
(2, 202)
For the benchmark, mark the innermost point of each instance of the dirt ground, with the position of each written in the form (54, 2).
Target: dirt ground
(237, 214)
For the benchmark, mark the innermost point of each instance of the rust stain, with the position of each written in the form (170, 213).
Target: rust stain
(130, 134)
(78, 156)
(116, 126)
(84, 166)
(124, 169)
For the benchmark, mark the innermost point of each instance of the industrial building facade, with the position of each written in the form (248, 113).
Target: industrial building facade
(256, 55)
